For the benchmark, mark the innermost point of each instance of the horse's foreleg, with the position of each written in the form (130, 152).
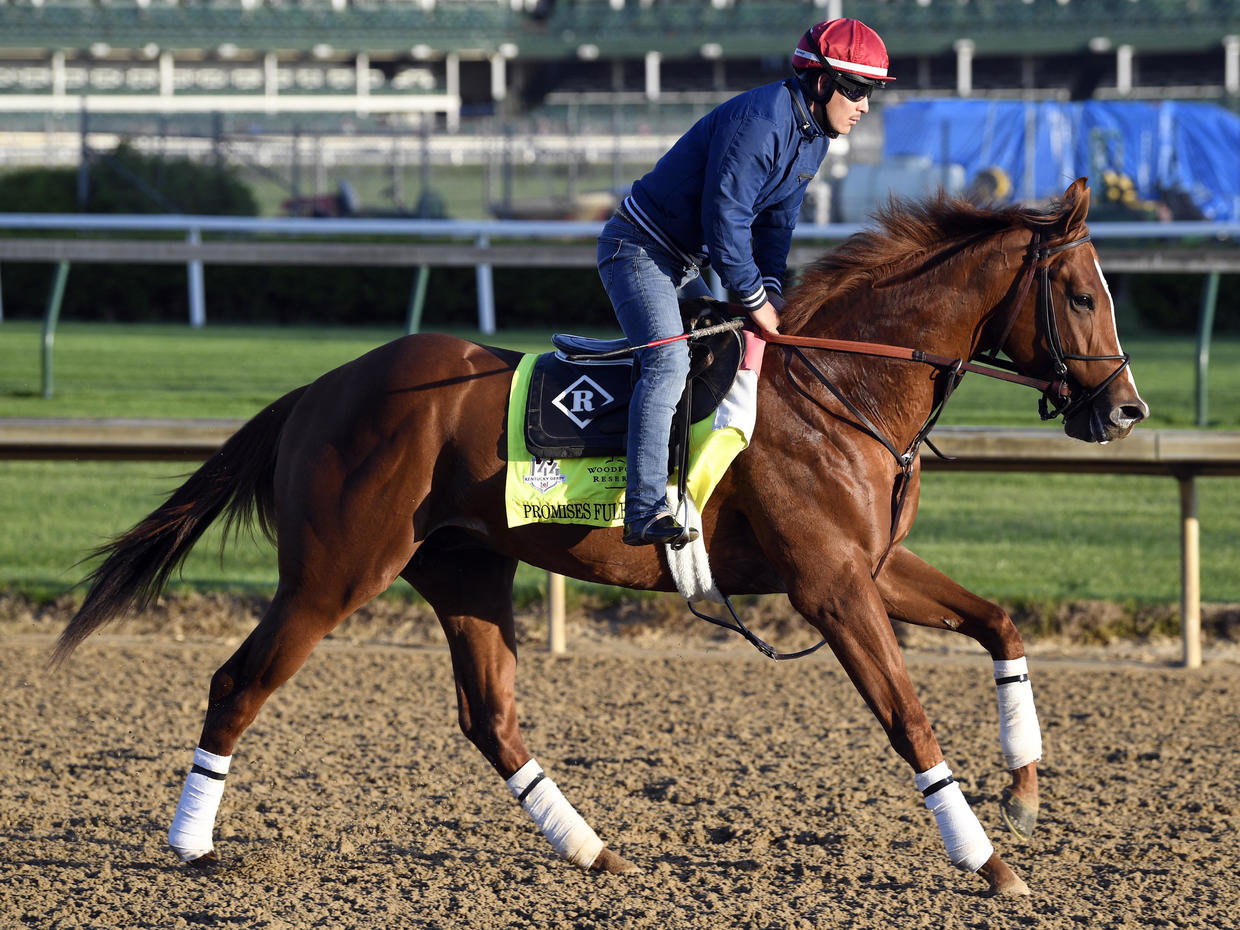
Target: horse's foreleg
(471, 592)
(851, 618)
(917, 593)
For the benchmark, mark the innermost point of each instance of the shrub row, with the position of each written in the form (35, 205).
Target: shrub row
(562, 299)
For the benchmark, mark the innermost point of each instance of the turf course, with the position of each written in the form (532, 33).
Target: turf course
(1013, 538)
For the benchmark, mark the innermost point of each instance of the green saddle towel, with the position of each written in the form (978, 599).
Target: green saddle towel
(590, 491)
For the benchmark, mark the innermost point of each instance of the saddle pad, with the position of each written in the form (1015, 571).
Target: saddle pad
(578, 408)
(590, 491)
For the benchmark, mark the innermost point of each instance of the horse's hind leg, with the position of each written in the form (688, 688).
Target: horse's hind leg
(917, 593)
(470, 590)
(290, 629)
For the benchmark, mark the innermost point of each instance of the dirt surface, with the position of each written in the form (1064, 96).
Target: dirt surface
(750, 793)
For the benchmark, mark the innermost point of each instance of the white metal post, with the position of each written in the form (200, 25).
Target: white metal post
(499, 78)
(1123, 70)
(197, 291)
(452, 87)
(167, 77)
(486, 292)
(271, 81)
(1231, 64)
(361, 82)
(964, 66)
(654, 62)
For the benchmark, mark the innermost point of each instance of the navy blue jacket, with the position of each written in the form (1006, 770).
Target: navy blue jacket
(730, 189)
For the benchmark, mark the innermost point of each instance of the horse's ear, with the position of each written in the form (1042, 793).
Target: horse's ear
(1075, 204)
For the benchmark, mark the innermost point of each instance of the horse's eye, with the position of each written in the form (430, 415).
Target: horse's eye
(1082, 302)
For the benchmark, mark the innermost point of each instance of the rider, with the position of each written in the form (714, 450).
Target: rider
(728, 193)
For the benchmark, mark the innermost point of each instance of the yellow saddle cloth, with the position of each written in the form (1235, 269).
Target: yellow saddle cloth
(590, 490)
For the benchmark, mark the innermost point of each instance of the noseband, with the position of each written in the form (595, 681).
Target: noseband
(1061, 396)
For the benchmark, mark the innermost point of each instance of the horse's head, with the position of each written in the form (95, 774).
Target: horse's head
(1062, 329)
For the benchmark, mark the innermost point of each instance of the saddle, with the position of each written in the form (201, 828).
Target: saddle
(578, 402)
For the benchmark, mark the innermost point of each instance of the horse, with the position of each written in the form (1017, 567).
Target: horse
(392, 465)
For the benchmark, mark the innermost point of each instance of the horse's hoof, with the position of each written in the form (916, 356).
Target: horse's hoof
(1018, 816)
(207, 862)
(608, 861)
(1001, 879)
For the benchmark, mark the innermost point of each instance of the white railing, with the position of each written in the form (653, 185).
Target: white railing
(481, 234)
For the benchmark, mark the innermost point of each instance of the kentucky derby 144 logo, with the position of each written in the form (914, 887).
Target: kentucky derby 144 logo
(544, 474)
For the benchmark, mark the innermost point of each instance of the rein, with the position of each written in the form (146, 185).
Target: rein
(989, 365)
(995, 368)
(1057, 395)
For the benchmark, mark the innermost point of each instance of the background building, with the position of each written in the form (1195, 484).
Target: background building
(545, 100)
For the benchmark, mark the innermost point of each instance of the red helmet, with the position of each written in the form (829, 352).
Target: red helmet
(848, 46)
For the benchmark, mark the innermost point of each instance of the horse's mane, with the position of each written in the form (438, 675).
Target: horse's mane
(908, 236)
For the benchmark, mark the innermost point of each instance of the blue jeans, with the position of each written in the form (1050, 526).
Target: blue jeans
(644, 282)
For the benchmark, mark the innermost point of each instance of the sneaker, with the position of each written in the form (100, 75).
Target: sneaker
(662, 529)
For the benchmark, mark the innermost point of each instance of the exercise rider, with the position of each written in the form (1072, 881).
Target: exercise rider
(728, 193)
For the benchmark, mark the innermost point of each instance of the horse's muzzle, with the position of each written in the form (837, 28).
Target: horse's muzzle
(1106, 419)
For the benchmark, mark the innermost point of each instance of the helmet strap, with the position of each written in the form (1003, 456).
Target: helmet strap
(808, 80)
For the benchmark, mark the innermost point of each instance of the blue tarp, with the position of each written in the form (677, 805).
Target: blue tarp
(1167, 149)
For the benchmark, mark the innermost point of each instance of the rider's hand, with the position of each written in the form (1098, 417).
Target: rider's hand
(766, 318)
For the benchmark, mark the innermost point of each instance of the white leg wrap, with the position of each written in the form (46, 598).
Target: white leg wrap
(558, 820)
(966, 842)
(1019, 733)
(194, 822)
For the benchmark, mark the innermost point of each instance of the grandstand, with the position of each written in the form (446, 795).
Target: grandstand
(596, 74)
(455, 58)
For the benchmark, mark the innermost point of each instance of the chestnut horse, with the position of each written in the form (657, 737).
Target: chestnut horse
(393, 465)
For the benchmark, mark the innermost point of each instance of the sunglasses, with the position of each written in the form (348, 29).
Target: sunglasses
(852, 90)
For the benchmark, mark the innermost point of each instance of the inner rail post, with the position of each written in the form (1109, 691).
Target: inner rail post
(557, 639)
(1190, 571)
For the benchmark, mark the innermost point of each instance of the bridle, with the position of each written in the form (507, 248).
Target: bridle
(1061, 396)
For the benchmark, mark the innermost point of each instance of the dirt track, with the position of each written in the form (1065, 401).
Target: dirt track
(752, 794)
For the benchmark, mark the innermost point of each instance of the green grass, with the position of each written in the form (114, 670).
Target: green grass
(1009, 537)
(1058, 537)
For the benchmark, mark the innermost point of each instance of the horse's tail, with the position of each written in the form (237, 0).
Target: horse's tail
(237, 481)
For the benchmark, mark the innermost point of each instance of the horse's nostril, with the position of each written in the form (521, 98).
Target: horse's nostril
(1129, 413)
